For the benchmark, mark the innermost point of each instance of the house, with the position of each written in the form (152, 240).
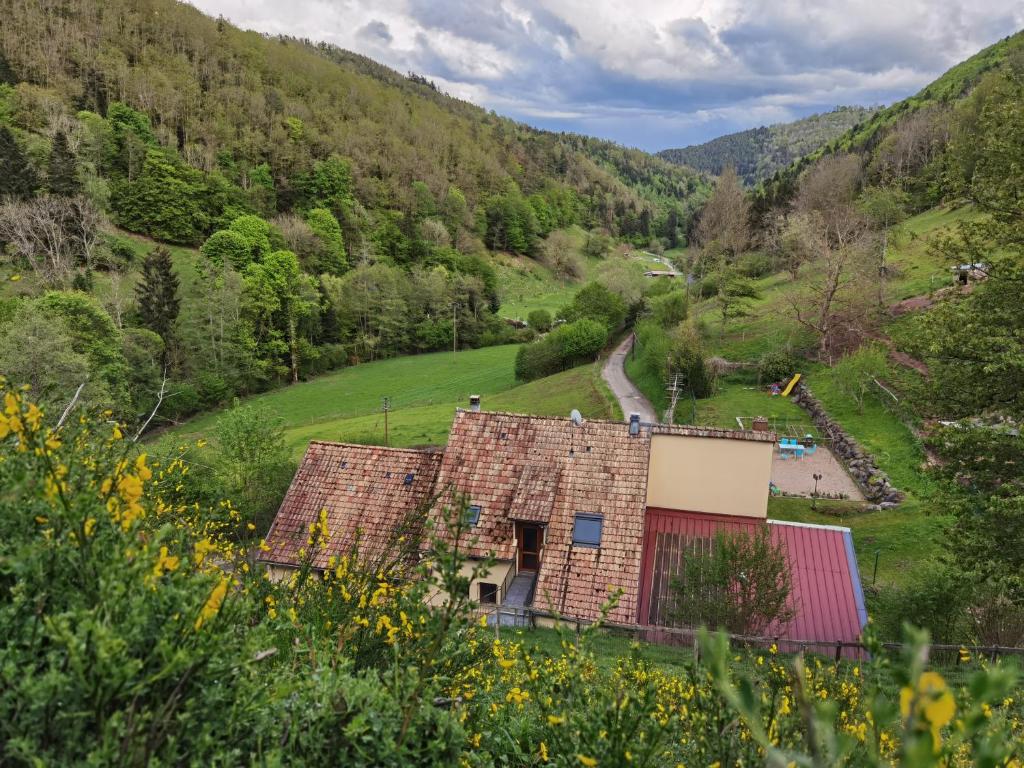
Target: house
(374, 497)
(662, 273)
(572, 511)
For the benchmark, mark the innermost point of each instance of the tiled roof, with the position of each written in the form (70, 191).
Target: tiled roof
(373, 495)
(544, 469)
(728, 434)
(826, 590)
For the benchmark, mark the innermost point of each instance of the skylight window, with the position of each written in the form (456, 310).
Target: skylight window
(586, 532)
(474, 514)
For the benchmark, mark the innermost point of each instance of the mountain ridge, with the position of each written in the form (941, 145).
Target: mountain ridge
(757, 153)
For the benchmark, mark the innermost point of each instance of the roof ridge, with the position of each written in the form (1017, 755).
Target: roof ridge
(392, 449)
(536, 417)
(818, 526)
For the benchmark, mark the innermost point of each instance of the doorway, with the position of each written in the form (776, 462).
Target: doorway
(530, 537)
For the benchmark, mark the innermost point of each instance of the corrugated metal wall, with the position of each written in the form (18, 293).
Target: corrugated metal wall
(826, 592)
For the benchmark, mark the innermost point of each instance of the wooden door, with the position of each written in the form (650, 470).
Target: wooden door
(530, 539)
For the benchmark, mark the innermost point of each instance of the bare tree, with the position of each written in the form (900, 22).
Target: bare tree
(120, 296)
(830, 229)
(724, 224)
(53, 235)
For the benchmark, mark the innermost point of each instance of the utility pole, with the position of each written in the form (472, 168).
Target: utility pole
(455, 329)
(387, 407)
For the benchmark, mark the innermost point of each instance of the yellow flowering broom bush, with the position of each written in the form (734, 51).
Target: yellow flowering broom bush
(137, 628)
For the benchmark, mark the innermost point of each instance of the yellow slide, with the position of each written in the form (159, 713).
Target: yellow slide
(789, 387)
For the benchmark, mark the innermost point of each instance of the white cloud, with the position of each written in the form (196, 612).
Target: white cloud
(652, 73)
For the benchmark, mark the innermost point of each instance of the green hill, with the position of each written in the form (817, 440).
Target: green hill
(758, 153)
(921, 121)
(321, 209)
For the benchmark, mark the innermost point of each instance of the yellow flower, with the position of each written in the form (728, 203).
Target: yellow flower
(165, 563)
(15, 278)
(556, 719)
(543, 752)
(116, 433)
(506, 663)
(213, 603)
(90, 526)
(932, 702)
(590, 762)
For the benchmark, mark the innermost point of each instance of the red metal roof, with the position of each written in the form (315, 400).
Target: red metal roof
(827, 596)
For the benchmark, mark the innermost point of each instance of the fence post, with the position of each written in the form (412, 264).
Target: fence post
(839, 651)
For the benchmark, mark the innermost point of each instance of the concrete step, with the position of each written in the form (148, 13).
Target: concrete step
(520, 591)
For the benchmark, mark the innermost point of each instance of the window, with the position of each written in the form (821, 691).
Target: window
(488, 593)
(474, 514)
(587, 531)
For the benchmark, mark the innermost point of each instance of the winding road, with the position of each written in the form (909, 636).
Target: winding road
(629, 397)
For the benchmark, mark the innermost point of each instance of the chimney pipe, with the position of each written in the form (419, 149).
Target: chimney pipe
(474, 403)
(634, 424)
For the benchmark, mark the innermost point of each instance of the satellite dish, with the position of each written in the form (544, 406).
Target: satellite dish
(576, 417)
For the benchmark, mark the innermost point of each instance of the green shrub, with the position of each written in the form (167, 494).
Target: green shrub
(754, 265)
(935, 598)
(539, 320)
(596, 302)
(568, 345)
(669, 309)
(776, 365)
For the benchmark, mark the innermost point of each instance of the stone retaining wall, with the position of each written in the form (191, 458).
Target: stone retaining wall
(874, 482)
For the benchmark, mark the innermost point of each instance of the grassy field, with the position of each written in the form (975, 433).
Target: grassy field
(526, 284)
(771, 324)
(424, 392)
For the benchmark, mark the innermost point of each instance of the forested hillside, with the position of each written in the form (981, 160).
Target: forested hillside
(758, 153)
(905, 138)
(321, 208)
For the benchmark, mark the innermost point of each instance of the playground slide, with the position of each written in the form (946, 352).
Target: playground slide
(789, 387)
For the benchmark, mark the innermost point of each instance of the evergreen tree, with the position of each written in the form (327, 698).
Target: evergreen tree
(61, 174)
(16, 175)
(157, 293)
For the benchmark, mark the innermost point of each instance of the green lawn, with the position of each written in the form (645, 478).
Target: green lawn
(425, 390)
(737, 397)
(608, 647)
(895, 447)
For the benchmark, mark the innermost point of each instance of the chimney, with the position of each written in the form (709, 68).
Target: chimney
(474, 403)
(634, 424)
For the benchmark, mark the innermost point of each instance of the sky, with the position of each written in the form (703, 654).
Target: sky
(651, 73)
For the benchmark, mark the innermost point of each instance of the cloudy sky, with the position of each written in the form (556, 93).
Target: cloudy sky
(651, 73)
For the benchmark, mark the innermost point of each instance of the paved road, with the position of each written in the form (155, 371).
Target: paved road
(629, 396)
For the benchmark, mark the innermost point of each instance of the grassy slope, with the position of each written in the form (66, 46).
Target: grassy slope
(424, 392)
(904, 536)
(771, 325)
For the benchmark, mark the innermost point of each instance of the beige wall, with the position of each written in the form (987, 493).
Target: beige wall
(705, 474)
(496, 575)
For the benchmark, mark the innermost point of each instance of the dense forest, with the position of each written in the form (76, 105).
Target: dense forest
(341, 211)
(758, 153)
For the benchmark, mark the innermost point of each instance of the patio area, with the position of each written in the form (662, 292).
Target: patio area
(795, 476)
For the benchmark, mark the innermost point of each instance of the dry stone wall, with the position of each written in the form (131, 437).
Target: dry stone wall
(873, 481)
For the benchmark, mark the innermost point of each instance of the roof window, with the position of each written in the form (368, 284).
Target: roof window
(586, 531)
(474, 514)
